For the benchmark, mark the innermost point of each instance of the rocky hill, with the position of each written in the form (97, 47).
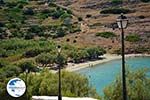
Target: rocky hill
(94, 20)
(82, 22)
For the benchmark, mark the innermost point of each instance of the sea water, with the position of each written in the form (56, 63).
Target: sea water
(102, 75)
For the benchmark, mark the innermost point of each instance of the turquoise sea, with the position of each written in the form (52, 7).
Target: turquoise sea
(103, 74)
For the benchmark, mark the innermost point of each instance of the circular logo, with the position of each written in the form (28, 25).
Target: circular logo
(16, 87)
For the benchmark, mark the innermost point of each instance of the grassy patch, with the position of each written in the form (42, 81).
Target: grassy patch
(106, 34)
(133, 38)
(115, 11)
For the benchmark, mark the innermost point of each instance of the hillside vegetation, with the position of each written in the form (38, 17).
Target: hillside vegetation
(31, 30)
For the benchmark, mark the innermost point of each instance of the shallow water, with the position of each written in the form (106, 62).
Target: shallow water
(103, 74)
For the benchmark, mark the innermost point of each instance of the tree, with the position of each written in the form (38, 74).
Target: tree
(78, 55)
(137, 86)
(45, 59)
(1, 2)
(95, 52)
(28, 65)
(45, 83)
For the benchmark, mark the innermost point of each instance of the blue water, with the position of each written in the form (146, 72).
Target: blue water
(103, 74)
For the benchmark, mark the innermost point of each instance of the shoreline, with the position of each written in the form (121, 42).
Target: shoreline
(106, 58)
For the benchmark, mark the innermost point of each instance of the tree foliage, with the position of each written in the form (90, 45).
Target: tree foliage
(46, 83)
(137, 86)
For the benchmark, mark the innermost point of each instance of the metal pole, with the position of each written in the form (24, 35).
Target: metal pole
(59, 84)
(123, 65)
(26, 85)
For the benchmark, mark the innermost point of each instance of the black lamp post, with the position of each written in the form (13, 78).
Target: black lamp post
(59, 83)
(26, 71)
(122, 22)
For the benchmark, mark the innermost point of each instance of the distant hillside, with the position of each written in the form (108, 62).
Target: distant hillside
(29, 19)
(92, 13)
(78, 21)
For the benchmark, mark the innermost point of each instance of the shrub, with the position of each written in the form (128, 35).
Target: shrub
(141, 17)
(35, 29)
(45, 83)
(32, 53)
(95, 52)
(28, 65)
(11, 4)
(116, 1)
(58, 13)
(145, 0)
(115, 11)
(45, 59)
(9, 71)
(1, 1)
(3, 53)
(133, 38)
(106, 34)
(137, 86)
(69, 11)
(28, 11)
(88, 15)
(20, 6)
(80, 19)
(29, 36)
(65, 15)
(2, 24)
(60, 32)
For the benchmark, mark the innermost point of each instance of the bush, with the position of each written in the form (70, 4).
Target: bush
(88, 15)
(2, 24)
(116, 1)
(58, 13)
(137, 86)
(32, 53)
(133, 38)
(80, 19)
(9, 71)
(106, 34)
(141, 17)
(69, 11)
(28, 11)
(3, 53)
(45, 83)
(35, 29)
(145, 0)
(29, 36)
(60, 32)
(95, 52)
(45, 59)
(28, 65)
(65, 15)
(115, 11)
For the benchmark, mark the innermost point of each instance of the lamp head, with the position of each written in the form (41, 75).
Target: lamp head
(59, 48)
(122, 21)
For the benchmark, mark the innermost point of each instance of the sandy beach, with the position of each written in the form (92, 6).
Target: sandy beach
(106, 58)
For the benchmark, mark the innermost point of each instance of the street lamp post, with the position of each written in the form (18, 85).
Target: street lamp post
(59, 83)
(26, 71)
(122, 24)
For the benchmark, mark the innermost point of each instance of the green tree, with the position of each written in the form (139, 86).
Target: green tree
(78, 55)
(95, 52)
(46, 83)
(45, 59)
(137, 86)
(28, 65)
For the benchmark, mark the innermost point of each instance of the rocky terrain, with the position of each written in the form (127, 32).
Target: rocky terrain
(139, 22)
